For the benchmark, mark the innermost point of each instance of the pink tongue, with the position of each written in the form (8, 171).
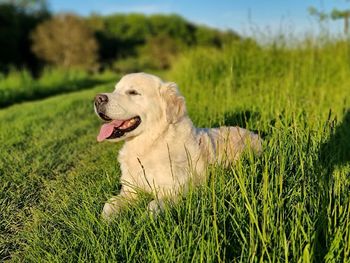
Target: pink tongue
(107, 129)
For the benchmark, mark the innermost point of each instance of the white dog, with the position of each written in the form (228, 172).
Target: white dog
(163, 152)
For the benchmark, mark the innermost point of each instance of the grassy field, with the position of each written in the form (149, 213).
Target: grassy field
(19, 85)
(291, 204)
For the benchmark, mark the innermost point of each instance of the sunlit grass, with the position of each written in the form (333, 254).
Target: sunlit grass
(291, 204)
(19, 85)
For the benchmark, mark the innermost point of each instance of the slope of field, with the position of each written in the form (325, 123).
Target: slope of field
(289, 204)
(20, 86)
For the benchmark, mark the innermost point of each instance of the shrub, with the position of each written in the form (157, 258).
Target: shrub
(66, 41)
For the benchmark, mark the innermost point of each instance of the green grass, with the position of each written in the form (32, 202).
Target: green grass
(291, 204)
(19, 85)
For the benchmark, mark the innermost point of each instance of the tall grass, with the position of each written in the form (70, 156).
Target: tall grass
(291, 204)
(309, 77)
(297, 205)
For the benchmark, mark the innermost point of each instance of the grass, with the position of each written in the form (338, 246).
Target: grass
(19, 85)
(291, 204)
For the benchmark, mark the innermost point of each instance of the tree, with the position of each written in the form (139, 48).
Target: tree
(66, 41)
(29, 6)
(334, 15)
(342, 14)
(159, 51)
(16, 23)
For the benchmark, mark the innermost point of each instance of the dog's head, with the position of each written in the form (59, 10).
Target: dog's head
(140, 103)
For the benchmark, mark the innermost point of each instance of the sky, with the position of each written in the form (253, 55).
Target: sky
(246, 17)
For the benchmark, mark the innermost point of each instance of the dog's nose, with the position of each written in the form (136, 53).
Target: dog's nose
(101, 99)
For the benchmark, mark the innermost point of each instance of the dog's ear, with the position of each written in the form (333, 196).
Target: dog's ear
(174, 102)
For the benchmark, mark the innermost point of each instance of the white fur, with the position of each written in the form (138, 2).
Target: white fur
(166, 152)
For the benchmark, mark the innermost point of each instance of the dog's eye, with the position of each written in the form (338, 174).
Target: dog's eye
(132, 92)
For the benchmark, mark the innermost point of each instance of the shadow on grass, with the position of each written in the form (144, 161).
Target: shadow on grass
(333, 153)
(242, 119)
(336, 151)
(40, 92)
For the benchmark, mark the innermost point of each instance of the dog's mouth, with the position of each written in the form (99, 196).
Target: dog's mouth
(117, 128)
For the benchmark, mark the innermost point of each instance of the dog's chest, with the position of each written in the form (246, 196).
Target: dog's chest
(150, 172)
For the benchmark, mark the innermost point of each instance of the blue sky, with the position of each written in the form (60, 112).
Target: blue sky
(243, 16)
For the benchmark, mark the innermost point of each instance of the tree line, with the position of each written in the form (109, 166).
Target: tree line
(31, 37)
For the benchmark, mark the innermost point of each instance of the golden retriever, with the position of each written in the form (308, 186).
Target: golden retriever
(163, 152)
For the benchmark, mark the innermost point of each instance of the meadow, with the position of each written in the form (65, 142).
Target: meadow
(19, 85)
(291, 204)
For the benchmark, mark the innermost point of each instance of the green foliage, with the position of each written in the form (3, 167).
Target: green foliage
(129, 28)
(129, 65)
(65, 41)
(291, 204)
(337, 14)
(321, 16)
(16, 24)
(342, 14)
(153, 39)
(173, 26)
(159, 52)
(28, 6)
(334, 14)
(84, 42)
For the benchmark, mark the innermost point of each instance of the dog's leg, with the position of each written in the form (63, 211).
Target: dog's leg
(115, 204)
(155, 207)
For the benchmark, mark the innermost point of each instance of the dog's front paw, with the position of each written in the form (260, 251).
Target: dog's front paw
(108, 211)
(111, 208)
(155, 207)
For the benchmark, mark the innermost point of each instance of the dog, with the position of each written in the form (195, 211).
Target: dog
(163, 152)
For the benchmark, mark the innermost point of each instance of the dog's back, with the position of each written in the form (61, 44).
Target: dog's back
(226, 144)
